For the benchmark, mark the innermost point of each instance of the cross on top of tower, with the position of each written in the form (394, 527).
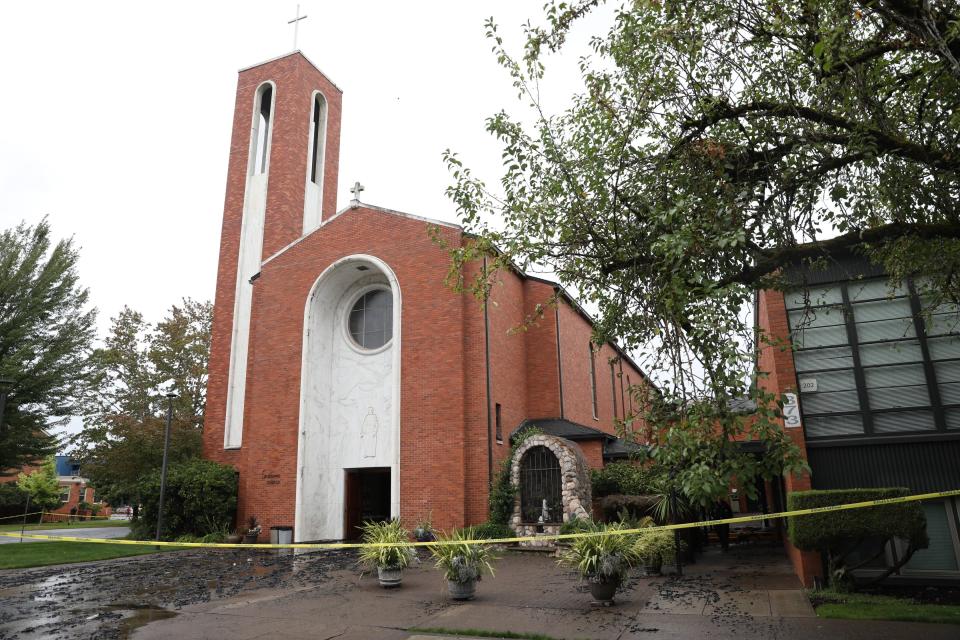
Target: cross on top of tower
(296, 26)
(355, 190)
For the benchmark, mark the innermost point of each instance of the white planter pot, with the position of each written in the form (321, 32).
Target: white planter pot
(462, 590)
(389, 577)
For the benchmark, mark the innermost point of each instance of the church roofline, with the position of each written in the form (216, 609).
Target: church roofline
(287, 55)
(402, 214)
(573, 302)
(359, 206)
(520, 272)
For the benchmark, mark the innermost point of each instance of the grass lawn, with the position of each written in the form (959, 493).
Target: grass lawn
(39, 554)
(65, 525)
(862, 606)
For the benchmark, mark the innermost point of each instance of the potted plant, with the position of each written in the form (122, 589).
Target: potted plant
(462, 563)
(391, 558)
(423, 532)
(253, 531)
(651, 548)
(603, 559)
(574, 525)
(237, 536)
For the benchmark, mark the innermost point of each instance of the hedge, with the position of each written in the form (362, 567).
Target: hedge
(838, 529)
(200, 499)
(621, 478)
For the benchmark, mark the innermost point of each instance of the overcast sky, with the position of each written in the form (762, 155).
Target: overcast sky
(115, 118)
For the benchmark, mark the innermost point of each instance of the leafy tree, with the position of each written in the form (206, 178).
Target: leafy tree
(714, 143)
(125, 419)
(46, 329)
(42, 485)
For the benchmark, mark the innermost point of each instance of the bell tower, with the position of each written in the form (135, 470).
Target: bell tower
(281, 185)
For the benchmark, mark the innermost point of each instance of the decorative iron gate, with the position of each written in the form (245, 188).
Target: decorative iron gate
(540, 486)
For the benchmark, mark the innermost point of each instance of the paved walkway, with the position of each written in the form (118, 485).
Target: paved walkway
(751, 593)
(79, 532)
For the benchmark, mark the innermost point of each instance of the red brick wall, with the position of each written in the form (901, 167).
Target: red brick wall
(295, 81)
(432, 421)
(777, 362)
(575, 334)
(543, 386)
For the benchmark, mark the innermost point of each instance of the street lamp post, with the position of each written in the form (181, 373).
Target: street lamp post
(166, 451)
(5, 384)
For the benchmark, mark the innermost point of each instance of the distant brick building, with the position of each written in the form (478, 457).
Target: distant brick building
(346, 380)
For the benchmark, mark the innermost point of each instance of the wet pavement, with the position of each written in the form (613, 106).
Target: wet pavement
(79, 532)
(109, 599)
(748, 594)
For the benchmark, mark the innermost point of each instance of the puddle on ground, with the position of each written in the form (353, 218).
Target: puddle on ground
(138, 616)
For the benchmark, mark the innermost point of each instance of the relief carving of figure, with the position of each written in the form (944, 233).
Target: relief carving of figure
(368, 434)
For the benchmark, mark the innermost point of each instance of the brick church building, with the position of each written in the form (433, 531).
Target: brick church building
(347, 381)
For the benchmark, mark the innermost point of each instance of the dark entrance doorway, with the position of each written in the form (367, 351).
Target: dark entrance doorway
(367, 498)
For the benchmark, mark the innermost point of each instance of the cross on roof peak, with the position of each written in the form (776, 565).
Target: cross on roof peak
(355, 190)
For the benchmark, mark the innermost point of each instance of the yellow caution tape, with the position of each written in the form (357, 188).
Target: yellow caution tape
(51, 513)
(542, 537)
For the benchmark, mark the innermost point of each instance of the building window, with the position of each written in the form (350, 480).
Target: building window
(630, 394)
(593, 380)
(872, 358)
(261, 130)
(318, 127)
(499, 425)
(65, 494)
(613, 389)
(540, 495)
(371, 319)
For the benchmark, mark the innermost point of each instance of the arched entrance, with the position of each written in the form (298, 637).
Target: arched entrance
(553, 481)
(348, 459)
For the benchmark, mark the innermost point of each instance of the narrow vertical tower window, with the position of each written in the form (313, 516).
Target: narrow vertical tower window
(249, 258)
(317, 139)
(313, 193)
(261, 133)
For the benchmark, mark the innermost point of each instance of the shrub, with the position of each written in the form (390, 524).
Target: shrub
(13, 502)
(656, 547)
(490, 531)
(838, 534)
(621, 478)
(576, 525)
(201, 498)
(616, 508)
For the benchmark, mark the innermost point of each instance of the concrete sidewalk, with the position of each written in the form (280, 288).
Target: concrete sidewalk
(745, 595)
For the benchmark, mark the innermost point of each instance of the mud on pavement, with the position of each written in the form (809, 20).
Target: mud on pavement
(109, 599)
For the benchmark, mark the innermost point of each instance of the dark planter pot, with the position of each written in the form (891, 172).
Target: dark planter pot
(234, 539)
(423, 535)
(250, 538)
(603, 592)
(652, 569)
(462, 590)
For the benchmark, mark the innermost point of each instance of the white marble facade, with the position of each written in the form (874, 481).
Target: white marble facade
(349, 404)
